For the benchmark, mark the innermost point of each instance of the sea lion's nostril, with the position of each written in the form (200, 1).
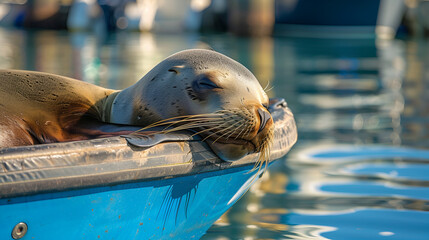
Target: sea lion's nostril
(265, 117)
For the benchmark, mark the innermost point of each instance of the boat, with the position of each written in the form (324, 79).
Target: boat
(342, 19)
(169, 186)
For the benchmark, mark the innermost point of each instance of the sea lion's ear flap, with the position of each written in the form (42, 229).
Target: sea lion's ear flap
(176, 69)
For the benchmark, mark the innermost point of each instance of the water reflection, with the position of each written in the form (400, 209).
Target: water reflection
(114, 61)
(355, 93)
(119, 60)
(359, 168)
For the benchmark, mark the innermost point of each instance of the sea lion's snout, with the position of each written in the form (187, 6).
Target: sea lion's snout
(249, 130)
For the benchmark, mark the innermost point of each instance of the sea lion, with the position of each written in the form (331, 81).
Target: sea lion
(200, 90)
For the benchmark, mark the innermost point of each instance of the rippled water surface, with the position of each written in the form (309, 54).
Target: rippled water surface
(360, 167)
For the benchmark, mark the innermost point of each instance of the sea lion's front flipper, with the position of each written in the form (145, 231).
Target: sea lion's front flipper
(151, 138)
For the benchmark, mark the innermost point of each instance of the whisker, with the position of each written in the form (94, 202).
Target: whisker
(235, 130)
(183, 119)
(264, 150)
(226, 129)
(183, 127)
(216, 124)
(209, 129)
(269, 89)
(189, 126)
(222, 130)
(196, 123)
(268, 84)
(247, 131)
(240, 133)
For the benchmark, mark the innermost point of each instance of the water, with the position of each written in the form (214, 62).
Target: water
(359, 169)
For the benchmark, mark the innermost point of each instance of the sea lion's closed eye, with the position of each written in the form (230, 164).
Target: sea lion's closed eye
(203, 86)
(203, 83)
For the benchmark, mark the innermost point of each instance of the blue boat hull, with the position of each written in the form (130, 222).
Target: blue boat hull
(162, 209)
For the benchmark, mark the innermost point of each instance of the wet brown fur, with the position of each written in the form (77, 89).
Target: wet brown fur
(43, 108)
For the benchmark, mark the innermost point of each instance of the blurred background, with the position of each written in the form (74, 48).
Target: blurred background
(353, 72)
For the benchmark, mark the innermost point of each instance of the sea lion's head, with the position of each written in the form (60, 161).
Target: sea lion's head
(211, 94)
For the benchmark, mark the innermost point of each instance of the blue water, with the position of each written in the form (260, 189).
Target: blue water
(368, 224)
(360, 167)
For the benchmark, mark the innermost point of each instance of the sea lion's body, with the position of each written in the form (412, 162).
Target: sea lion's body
(42, 108)
(200, 90)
